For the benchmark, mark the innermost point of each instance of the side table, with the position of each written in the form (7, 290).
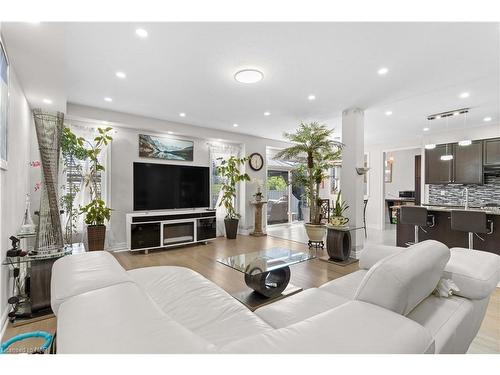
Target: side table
(338, 245)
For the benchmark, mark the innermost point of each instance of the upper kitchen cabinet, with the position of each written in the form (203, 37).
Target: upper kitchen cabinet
(438, 171)
(492, 151)
(468, 163)
(466, 166)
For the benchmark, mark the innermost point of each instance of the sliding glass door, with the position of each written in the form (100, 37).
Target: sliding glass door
(284, 198)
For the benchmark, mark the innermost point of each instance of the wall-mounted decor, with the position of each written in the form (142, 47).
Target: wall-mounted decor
(152, 146)
(388, 170)
(4, 105)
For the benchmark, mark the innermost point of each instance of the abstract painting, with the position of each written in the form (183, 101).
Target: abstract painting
(4, 105)
(151, 146)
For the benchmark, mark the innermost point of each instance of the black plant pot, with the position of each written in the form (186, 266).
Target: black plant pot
(231, 228)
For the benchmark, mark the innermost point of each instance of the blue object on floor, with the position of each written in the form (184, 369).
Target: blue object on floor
(23, 336)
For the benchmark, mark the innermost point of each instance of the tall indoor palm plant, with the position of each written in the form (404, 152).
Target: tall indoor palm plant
(315, 152)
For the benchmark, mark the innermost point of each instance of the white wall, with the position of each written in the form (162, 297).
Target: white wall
(124, 151)
(403, 171)
(13, 181)
(375, 209)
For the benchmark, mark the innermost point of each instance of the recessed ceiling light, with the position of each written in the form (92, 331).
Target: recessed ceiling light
(456, 113)
(104, 122)
(388, 113)
(107, 99)
(426, 129)
(141, 33)
(464, 95)
(170, 132)
(235, 125)
(121, 75)
(311, 97)
(182, 114)
(249, 76)
(438, 117)
(487, 119)
(430, 146)
(382, 71)
(47, 101)
(267, 113)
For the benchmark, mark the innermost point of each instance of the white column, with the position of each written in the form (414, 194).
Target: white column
(350, 182)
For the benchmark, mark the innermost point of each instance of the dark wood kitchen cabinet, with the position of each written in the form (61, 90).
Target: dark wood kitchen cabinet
(466, 167)
(468, 163)
(438, 171)
(492, 151)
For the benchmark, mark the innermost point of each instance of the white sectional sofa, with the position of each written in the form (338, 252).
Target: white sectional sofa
(385, 307)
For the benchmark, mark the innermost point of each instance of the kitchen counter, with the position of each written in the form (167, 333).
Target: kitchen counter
(488, 210)
(442, 231)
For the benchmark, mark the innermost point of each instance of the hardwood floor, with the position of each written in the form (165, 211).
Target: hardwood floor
(202, 258)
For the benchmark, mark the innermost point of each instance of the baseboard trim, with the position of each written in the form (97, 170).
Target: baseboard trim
(4, 321)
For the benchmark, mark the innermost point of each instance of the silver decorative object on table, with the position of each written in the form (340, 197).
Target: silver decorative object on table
(49, 128)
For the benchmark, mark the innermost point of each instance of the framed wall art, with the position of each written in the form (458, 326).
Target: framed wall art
(166, 148)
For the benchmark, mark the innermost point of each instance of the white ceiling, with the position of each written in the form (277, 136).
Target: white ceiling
(189, 67)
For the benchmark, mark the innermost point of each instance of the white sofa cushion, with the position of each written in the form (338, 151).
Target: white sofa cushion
(401, 281)
(475, 272)
(371, 254)
(354, 327)
(79, 273)
(345, 286)
(298, 307)
(444, 318)
(121, 319)
(198, 304)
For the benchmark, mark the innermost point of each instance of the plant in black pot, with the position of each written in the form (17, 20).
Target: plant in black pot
(96, 212)
(229, 170)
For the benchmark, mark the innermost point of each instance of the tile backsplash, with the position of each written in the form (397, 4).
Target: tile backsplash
(479, 195)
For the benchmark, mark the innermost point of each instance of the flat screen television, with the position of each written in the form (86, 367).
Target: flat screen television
(167, 186)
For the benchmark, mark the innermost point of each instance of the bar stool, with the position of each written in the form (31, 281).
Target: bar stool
(418, 217)
(472, 222)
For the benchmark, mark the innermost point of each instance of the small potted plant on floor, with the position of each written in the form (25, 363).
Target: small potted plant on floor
(314, 152)
(96, 214)
(337, 219)
(229, 170)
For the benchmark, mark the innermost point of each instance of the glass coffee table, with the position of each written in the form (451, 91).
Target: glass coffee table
(267, 273)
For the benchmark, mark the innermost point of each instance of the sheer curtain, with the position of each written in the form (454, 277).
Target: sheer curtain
(72, 183)
(219, 150)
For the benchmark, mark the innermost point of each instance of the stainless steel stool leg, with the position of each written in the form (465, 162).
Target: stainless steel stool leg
(416, 233)
(471, 240)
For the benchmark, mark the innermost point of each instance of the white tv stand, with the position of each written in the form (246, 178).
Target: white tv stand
(164, 229)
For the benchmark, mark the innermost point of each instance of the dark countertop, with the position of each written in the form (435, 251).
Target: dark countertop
(488, 210)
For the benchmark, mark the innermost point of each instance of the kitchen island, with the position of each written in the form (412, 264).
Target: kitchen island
(442, 231)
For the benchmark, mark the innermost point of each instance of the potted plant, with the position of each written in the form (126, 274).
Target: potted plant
(258, 195)
(314, 152)
(96, 212)
(337, 219)
(229, 170)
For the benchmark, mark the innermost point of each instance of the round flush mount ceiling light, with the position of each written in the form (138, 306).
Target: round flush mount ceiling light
(464, 95)
(108, 99)
(382, 71)
(47, 101)
(249, 76)
(121, 75)
(487, 119)
(141, 33)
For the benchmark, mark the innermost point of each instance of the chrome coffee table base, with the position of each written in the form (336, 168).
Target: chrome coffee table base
(254, 300)
(339, 262)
